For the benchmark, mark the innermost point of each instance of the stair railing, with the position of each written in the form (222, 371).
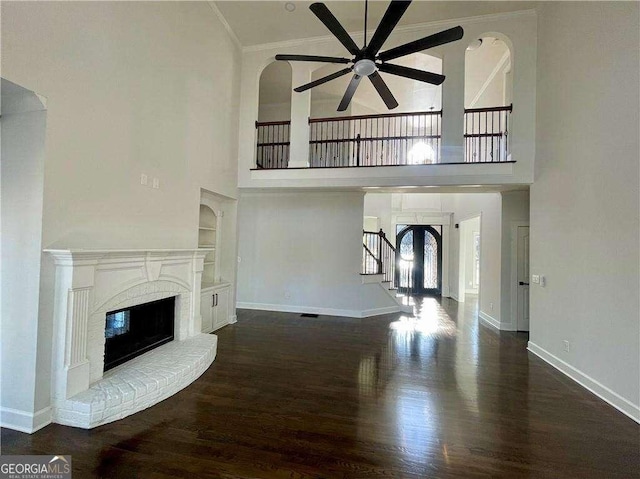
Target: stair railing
(379, 255)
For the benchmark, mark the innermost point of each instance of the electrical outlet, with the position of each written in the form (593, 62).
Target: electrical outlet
(287, 295)
(565, 346)
(543, 281)
(143, 179)
(491, 306)
(156, 183)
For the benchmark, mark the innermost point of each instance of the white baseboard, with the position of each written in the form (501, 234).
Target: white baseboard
(349, 313)
(454, 297)
(614, 399)
(507, 327)
(24, 421)
(490, 320)
(367, 313)
(234, 319)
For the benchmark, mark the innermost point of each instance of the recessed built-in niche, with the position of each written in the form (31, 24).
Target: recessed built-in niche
(207, 239)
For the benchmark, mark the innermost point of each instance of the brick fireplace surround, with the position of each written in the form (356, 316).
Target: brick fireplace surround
(88, 284)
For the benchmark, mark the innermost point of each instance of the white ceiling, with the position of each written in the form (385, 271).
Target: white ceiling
(266, 22)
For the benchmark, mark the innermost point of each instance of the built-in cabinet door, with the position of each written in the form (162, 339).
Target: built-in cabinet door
(214, 308)
(221, 308)
(206, 311)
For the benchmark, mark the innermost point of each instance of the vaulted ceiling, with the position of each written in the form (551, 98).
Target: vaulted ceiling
(266, 22)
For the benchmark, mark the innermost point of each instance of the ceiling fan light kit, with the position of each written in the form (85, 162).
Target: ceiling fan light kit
(368, 60)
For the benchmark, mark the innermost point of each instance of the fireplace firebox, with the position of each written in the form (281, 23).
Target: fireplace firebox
(133, 331)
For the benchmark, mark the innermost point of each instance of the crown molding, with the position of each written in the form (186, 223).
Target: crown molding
(225, 24)
(417, 27)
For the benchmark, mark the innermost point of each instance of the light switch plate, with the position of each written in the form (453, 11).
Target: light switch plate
(156, 183)
(143, 179)
(535, 278)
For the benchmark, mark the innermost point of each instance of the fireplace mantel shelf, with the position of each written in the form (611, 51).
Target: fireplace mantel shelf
(136, 250)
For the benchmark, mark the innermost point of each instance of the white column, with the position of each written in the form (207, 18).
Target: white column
(72, 304)
(300, 111)
(453, 104)
(76, 361)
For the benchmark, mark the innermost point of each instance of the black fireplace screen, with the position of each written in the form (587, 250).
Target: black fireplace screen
(133, 331)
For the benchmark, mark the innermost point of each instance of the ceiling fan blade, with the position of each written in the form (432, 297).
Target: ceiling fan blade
(389, 21)
(412, 73)
(312, 58)
(322, 80)
(324, 14)
(431, 41)
(383, 90)
(348, 95)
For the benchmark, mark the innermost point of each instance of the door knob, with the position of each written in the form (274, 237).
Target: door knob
(522, 283)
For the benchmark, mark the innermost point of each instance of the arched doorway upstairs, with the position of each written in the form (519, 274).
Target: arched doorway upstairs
(419, 259)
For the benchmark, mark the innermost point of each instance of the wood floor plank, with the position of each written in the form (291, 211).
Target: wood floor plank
(436, 396)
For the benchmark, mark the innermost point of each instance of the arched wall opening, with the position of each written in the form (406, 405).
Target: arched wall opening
(274, 116)
(274, 103)
(487, 73)
(488, 93)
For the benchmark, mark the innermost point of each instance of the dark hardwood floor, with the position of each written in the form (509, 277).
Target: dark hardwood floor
(440, 396)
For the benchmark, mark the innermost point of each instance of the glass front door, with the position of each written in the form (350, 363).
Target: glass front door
(419, 259)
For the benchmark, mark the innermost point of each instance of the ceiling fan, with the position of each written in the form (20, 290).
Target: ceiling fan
(368, 60)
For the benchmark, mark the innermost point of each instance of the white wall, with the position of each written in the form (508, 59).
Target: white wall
(327, 108)
(484, 74)
(23, 126)
(380, 206)
(274, 111)
(487, 205)
(275, 92)
(515, 210)
(469, 229)
(302, 252)
(132, 87)
(585, 209)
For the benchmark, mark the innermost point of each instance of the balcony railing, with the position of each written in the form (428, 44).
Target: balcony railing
(486, 134)
(272, 144)
(375, 140)
(387, 139)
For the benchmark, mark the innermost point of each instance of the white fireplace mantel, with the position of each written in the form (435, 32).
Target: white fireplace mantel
(88, 284)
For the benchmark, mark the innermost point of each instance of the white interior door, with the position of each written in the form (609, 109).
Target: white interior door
(523, 278)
